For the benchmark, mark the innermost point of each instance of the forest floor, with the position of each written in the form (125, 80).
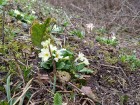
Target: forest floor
(113, 54)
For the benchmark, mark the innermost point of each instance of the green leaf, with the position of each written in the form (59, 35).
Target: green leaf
(8, 90)
(67, 66)
(26, 73)
(80, 67)
(123, 99)
(65, 24)
(44, 65)
(123, 58)
(66, 53)
(3, 2)
(78, 33)
(57, 99)
(3, 103)
(60, 65)
(86, 70)
(39, 31)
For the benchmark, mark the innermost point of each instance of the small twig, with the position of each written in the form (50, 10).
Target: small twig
(128, 80)
(78, 8)
(75, 87)
(3, 18)
(110, 66)
(87, 99)
(64, 91)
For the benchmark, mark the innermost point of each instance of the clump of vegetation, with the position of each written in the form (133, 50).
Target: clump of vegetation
(78, 33)
(101, 31)
(24, 17)
(131, 60)
(107, 41)
(63, 58)
(111, 60)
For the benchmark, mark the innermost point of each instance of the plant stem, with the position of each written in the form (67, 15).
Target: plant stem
(54, 69)
(54, 64)
(54, 83)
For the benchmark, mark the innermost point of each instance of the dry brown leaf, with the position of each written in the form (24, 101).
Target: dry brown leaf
(63, 76)
(43, 77)
(87, 91)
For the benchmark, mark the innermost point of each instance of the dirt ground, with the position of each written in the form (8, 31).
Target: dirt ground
(111, 83)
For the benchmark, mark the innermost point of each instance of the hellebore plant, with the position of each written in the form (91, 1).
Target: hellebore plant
(64, 59)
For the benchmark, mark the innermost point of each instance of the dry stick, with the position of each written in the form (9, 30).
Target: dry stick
(3, 35)
(87, 99)
(26, 88)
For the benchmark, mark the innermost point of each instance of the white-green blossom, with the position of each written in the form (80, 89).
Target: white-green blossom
(57, 55)
(46, 43)
(66, 58)
(81, 57)
(44, 54)
(16, 12)
(86, 62)
(49, 49)
(53, 48)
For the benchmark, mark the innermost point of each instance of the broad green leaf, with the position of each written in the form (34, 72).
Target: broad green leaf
(39, 31)
(67, 66)
(3, 2)
(57, 99)
(60, 65)
(86, 70)
(45, 65)
(80, 67)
